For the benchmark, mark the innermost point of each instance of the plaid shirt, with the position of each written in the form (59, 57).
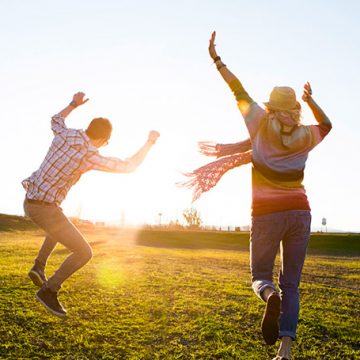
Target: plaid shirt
(70, 155)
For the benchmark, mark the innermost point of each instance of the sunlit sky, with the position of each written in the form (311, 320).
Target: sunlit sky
(145, 65)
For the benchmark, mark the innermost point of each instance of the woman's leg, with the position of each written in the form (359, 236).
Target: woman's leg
(266, 233)
(292, 252)
(265, 236)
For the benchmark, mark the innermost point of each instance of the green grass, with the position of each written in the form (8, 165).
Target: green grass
(320, 244)
(10, 223)
(167, 300)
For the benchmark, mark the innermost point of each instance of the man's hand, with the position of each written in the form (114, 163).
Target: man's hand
(153, 136)
(307, 92)
(78, 99)
(212, 45)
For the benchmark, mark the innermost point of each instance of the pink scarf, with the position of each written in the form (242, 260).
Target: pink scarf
(206, 177)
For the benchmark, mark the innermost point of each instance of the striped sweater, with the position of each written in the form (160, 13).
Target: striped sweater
(278, 158)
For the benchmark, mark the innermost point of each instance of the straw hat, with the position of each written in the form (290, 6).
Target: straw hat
(282, 98)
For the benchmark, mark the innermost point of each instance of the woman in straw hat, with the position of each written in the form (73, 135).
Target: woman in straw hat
(278, 149)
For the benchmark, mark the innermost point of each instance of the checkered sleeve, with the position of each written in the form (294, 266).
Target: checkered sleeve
(110, 164)
(58, 124)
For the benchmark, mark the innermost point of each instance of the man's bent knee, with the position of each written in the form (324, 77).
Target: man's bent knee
(83, 253)
(87, 254)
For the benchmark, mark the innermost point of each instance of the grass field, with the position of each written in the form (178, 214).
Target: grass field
(172, 295)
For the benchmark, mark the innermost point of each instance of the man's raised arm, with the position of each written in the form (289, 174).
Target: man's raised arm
(77, 100)
(57, 121)
(115, 165)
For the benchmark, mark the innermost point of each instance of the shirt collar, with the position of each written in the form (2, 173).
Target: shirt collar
(89, 145)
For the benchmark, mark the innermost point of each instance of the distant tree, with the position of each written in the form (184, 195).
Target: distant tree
(192, 217)
(175, 225)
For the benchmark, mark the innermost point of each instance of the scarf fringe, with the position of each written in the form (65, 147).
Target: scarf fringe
(206, 177)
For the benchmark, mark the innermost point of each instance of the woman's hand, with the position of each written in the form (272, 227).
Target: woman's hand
(208, 148)
(319, 114)
(307, 92)
(212, 45)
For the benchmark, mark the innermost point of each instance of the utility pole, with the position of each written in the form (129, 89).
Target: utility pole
(323, 223)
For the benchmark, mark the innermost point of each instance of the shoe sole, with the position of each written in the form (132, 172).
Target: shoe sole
(36, 279)
(270, 322)
(54, 312)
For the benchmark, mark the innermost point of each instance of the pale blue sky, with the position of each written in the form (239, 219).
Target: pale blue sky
(144, 65)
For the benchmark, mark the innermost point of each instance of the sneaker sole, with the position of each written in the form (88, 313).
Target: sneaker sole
(49, 308)
(36, 279)
(270, 322)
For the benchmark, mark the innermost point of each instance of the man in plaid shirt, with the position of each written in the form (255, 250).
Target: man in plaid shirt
(72, 153)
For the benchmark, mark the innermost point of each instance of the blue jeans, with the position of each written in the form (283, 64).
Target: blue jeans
(289, 230)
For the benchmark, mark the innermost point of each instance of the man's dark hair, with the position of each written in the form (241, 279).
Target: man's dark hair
(99, 128)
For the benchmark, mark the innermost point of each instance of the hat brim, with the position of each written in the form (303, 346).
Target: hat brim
(270, 106)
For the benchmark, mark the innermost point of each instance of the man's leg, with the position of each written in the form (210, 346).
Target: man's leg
(73, 240)
(81, 254)
(293, 252)
(266, 233)
(60, 229)
(37, 272)
(45, 251)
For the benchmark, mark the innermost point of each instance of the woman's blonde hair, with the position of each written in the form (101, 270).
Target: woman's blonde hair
(294, 114)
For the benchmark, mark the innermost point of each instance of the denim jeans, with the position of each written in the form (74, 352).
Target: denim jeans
(59, 229)
(289, 230)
